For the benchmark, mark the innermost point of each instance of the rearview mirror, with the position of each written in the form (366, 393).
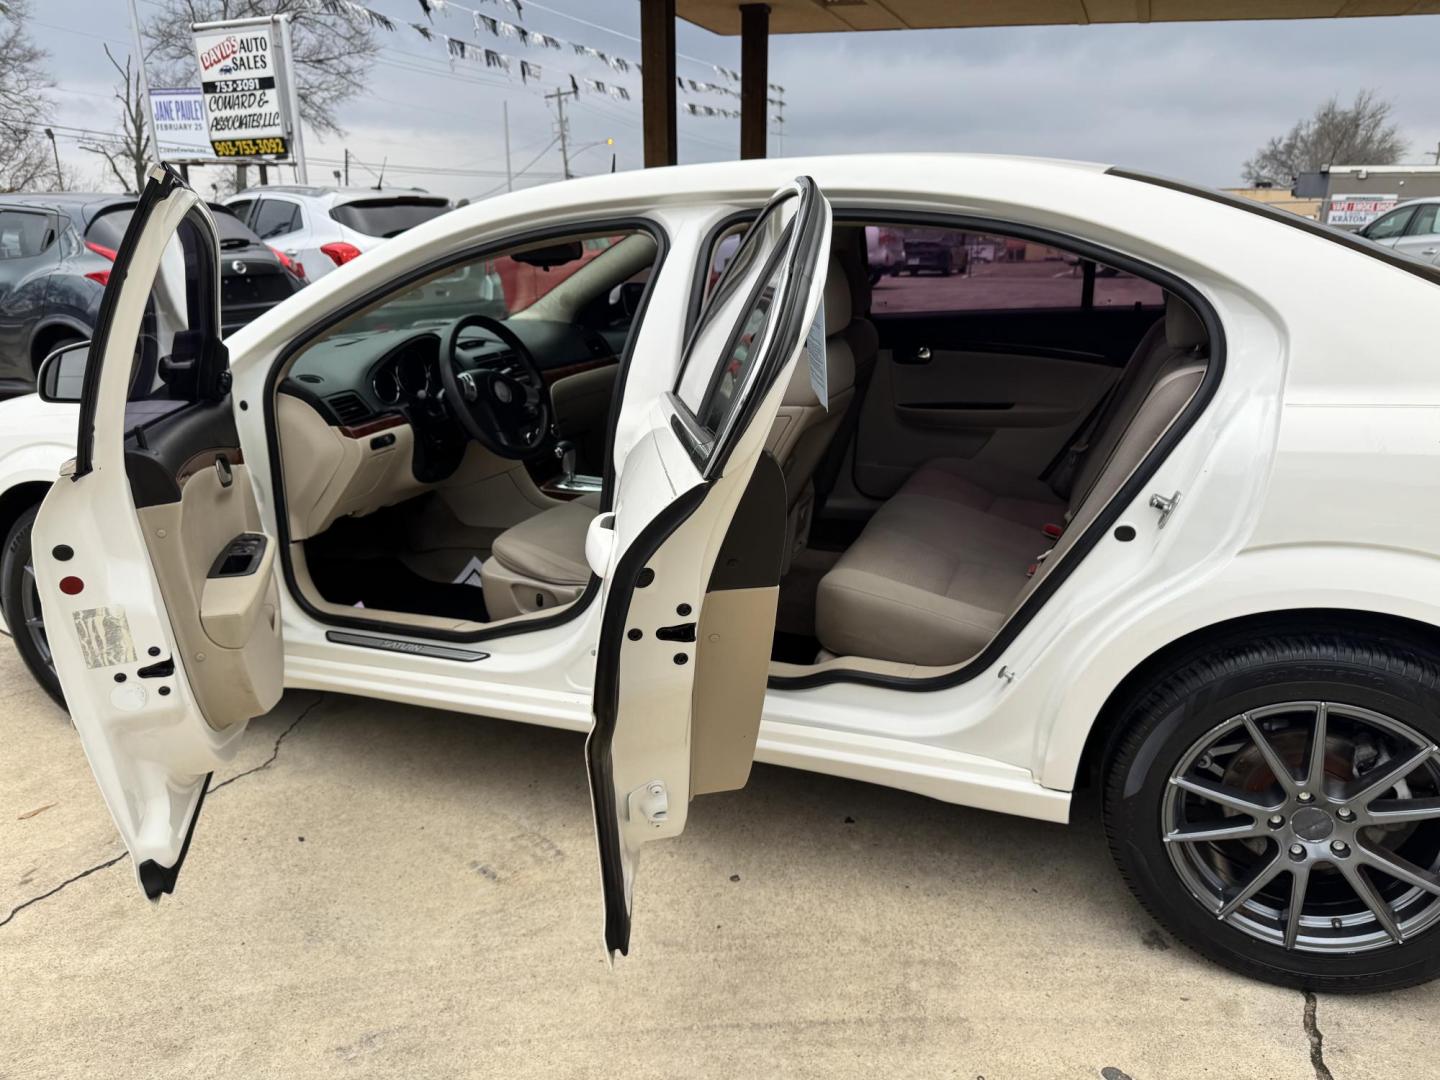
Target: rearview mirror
(551, 255)
(62, 373)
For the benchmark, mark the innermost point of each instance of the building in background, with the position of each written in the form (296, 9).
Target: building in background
(1280, 198)
(1352, 196)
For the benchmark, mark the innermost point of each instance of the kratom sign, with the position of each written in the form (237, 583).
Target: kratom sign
(244, 68)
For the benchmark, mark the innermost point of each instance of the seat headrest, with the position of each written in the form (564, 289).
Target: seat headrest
(837, 298)
(1183, 328)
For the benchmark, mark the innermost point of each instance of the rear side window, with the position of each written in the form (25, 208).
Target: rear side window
(917, 270)
(25, 233)
(275, 217)
(387, 217)
(1424, 222)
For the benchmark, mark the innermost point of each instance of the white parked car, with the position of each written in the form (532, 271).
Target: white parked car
(319, 228)
(1410, 229)
(1162, 522)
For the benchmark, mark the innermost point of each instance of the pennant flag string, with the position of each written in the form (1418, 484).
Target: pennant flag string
(458, 48)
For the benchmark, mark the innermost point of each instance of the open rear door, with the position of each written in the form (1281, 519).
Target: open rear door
(156, 579)
(691, 556)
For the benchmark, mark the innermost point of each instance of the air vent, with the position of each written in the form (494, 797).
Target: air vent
(348, 408)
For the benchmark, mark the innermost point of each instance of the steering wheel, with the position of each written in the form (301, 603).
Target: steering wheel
(507, 414)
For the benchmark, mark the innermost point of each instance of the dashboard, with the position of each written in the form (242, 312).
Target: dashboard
(368, 380)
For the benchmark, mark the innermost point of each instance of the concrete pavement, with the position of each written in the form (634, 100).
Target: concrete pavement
(377, 890)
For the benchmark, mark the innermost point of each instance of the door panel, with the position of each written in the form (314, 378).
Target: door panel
(157, 582)
(690, 559)
(1006, 388)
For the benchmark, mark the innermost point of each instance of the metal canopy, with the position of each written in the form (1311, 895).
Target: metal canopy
(828, 16)
(757, 20)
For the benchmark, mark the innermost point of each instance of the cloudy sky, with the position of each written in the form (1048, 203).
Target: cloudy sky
(1187, 100)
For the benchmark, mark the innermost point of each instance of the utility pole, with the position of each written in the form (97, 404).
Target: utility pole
(559, 97)
(509, 178)
(347, 166)
(54, 146)
(148, 131)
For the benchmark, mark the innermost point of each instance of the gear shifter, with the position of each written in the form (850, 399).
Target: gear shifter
(566, 454)
(569, 482)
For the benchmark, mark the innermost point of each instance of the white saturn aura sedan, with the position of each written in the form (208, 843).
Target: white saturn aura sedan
(1145, 499)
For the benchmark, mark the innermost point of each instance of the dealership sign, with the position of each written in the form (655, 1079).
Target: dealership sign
(1357, 210)
(178, 116)
(243, 72)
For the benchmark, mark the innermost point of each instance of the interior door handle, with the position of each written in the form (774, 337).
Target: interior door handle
(223, 470)
(919, 356)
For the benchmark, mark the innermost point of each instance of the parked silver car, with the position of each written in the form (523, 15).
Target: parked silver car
(1410, 229)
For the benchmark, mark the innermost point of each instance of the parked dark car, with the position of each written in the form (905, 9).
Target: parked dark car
(56, 251)
(933, 255)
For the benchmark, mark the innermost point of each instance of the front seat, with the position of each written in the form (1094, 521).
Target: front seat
(540, 563)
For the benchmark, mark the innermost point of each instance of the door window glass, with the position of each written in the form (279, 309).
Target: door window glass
(1424, 221)
(1391, 225)
(178, 352)
(936, 271)
(24, 234)
(275, 217)
(729, 338)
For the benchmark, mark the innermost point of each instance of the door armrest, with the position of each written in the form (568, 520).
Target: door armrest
(236, 589)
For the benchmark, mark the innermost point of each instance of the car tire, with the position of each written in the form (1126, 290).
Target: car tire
(15, 580)
(1201, 724)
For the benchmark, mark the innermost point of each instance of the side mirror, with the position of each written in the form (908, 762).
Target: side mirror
(62, 373)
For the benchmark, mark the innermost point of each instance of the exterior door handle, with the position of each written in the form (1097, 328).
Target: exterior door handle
(1430, 251)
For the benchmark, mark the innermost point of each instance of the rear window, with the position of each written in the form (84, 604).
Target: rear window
(387, 217)
(229, 226)
(107, 229)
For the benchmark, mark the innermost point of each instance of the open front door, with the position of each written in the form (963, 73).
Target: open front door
(156, 578)
(691, 556)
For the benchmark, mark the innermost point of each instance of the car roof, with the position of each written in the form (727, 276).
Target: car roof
(86, 204)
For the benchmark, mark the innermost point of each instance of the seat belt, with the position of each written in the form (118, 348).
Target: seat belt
(1061, 474)
(828, 471)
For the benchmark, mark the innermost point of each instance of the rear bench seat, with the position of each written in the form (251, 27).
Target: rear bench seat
(945, 561)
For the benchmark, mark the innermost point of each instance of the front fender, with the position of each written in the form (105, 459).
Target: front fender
(1264, 581)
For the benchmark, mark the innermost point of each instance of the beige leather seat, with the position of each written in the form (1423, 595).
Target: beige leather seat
(541, 561)
(941, 566)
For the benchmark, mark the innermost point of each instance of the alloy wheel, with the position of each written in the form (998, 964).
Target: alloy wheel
(31, 617)
(1312, 825)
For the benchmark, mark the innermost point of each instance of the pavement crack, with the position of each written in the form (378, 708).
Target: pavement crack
(68, 881)
(274, 753)
(1317, 1040)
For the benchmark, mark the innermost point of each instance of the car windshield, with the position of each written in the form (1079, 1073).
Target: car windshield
(387, 217)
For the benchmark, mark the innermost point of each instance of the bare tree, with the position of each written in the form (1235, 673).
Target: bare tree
(126, 151)
(26, 158)
(1361, 134)
(331, 51)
